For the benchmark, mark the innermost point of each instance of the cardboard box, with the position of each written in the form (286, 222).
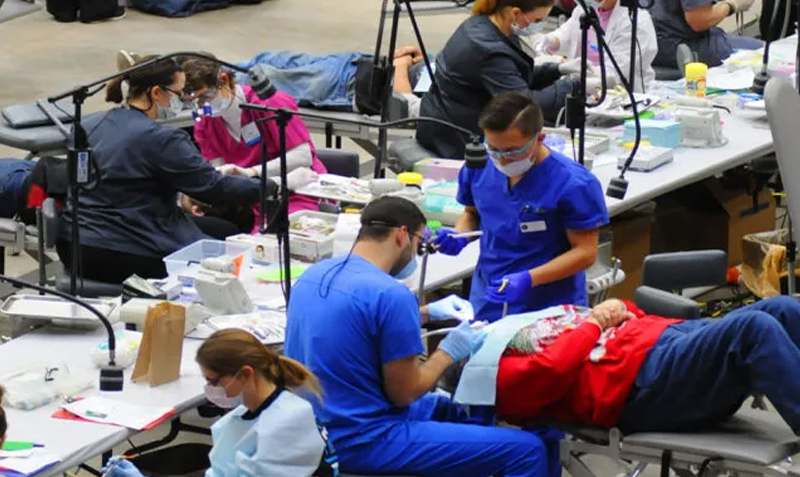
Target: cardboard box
(631, 244)
(711, 215)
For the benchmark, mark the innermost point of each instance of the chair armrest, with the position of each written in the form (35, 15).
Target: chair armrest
(679, 270)
(661, 303)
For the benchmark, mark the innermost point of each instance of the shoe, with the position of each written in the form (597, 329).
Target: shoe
(119, 14)
(125, 59)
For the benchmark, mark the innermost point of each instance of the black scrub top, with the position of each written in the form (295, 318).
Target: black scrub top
(142, 166)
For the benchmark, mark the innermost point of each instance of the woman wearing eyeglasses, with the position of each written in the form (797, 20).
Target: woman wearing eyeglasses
(129, 217)
(234, 135)
(539, 211)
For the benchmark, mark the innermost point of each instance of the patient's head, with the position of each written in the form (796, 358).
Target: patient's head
(3, 423)
(207, 82)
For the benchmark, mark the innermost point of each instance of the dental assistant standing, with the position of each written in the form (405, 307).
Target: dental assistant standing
(539, 211)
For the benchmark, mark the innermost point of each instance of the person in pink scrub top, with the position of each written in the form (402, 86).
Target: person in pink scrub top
(231, 134)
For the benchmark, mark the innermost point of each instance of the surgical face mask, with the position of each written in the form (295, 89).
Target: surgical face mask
(515, 168)
(219, 105)
(218, 396)
(175, 107)
(411, 265)
(531, 29)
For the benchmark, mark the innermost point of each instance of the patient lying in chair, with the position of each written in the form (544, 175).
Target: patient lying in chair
(615, 366)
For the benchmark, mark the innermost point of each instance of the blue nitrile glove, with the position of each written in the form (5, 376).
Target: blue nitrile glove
(509, 289)
(451, 307)
(449, 245)
(121, 468)
(462, 341)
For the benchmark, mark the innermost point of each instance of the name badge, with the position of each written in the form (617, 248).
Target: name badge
(533, 226)
(250, 134)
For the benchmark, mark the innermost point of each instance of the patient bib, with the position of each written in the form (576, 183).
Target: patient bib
(478, 383)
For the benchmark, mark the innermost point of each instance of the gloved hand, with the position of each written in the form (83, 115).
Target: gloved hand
(121, 468)
(546, 44)
(462, 341)
(451, 307)
(234, 170)
(595, 84)
(570, 67)
(739, 5)
(510, 289)
(298, 178)
(449, 245)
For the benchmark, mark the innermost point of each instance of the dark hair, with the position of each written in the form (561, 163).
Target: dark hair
(381, 215)
(202, 73)
(161, 73)
(488, 7)
(512, 109)
(228, 351)
(3, 423)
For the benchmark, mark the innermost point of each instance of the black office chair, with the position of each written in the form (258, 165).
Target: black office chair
(683, 55)
(48, 236)
(340, 162)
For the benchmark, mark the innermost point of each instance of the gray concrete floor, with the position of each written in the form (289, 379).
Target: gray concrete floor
(39, 57)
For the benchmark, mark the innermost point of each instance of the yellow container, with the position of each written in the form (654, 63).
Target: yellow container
(410, 178)
(696, 79)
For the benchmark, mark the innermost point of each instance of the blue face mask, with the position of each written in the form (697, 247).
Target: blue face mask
(529, 30)
(410, 267)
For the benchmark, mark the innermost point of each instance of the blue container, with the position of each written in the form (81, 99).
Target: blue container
(657, 132)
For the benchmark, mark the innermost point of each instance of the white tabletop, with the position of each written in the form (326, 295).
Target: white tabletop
(74, 441)
(748, 139)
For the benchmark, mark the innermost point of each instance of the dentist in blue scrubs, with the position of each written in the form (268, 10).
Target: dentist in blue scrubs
(354, 325)
(539, 211)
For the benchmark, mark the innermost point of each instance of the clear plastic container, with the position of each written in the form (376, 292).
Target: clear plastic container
(193, 254)
(39, 385)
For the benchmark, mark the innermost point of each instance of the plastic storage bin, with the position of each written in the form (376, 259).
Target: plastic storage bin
(193, 254)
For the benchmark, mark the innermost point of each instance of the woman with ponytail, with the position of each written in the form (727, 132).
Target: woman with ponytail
(129, 217)
(483, 58)
(271, 430)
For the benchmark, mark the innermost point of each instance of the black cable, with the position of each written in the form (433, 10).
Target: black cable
(641, 65)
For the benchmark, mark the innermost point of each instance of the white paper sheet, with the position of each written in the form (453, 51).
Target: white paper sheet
(731, 80)
(30, 464)
(19, 454)
(107, 411)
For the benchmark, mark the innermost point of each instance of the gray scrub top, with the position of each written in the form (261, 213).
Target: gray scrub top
(672, 29)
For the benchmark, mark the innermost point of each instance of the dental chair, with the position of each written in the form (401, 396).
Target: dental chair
(404, 153)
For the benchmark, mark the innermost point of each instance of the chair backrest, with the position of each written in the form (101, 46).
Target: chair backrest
(680, 270)
(340, 162)
(783, 114)
(49, 226)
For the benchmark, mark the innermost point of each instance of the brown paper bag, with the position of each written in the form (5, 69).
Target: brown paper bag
(159, 358)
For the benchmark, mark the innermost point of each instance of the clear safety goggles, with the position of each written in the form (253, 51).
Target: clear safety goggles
(512, 155)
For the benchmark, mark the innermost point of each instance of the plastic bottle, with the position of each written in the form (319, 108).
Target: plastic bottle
(413, 188)
(696, 79)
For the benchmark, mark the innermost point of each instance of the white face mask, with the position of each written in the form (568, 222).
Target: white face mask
(515, 168)
(218, 396)
(220, 105)
(175, 107)
(531, 29)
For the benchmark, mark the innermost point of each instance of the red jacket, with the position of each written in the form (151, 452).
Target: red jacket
(576, 374)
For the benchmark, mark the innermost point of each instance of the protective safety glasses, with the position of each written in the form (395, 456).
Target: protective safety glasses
(186, 99)
(206, 97)
(512, 155)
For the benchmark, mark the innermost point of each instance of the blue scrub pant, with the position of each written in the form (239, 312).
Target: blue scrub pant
(699, 372)
(12, 177)
(744, 42)
(439, 439)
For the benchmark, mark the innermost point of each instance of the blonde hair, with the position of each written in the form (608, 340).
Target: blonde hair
(228, 351)
(489, 7)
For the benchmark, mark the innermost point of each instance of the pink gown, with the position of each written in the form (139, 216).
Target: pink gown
(215, 141)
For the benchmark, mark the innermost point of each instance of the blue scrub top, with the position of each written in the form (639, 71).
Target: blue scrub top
(526, 226)
(346, 319)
